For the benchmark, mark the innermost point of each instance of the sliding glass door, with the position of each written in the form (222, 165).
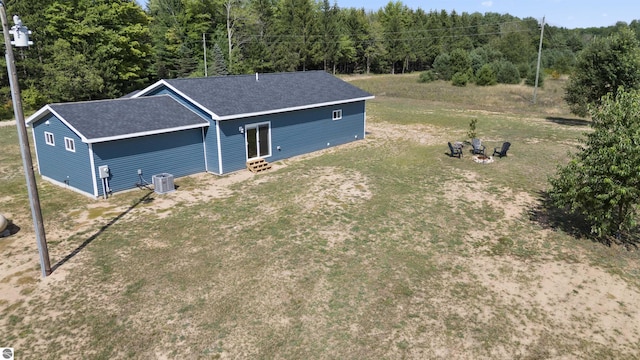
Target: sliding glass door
(258, 140)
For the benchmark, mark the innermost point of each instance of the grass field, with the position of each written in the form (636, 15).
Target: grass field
(383, 248)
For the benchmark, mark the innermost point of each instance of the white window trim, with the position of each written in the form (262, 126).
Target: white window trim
(69, 144)
(337, 114)
(49, 139)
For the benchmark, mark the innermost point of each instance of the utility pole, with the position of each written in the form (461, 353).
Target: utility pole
(204, 45)
(21, 35)
(535, 88)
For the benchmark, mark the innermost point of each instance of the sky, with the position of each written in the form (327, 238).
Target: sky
(562, 13)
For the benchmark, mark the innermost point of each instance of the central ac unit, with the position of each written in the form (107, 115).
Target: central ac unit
(163, 183)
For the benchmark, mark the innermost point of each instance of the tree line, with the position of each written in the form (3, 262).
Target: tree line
(95, 49)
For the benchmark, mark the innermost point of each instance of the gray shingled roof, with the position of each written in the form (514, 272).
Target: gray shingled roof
(242, 94)
(122, 118)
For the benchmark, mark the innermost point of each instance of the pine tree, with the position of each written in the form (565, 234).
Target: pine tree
(219, 66)
(602, 67)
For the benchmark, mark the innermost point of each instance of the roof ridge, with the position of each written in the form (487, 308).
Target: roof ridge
(248, 75)
(109, 100)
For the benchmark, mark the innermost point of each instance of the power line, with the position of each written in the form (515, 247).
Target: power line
(404, 36)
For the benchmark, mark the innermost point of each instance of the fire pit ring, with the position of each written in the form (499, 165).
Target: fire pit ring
(483, 159)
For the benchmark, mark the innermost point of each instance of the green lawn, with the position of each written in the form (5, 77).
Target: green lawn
(384, 248)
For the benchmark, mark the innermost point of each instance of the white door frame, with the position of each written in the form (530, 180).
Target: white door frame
(258, 145)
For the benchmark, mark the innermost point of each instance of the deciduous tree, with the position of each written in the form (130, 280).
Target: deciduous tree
(70, 76)
(602, 180)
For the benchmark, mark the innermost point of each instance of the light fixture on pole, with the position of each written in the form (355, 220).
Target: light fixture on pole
(21, 39)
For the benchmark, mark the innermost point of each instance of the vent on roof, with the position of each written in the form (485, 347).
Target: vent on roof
(163, 183)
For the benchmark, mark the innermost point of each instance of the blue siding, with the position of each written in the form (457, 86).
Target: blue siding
(211, 139)
(165, 91)
(296, 132)
(59, 164)
(179, 153)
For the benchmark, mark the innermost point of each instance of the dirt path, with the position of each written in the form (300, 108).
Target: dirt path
(7, 123)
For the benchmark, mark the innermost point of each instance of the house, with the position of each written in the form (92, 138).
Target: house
(187, 126)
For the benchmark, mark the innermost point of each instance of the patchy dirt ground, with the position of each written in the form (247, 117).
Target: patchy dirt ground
(7, 123)
(557, 293)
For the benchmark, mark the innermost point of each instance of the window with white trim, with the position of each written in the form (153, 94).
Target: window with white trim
(337, 114)
(49, 139)
(69, 144)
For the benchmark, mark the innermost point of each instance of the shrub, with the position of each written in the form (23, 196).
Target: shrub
(442, 64)
(507, 73)
(447, 64)
(477, 60)
(6, 110)
(460, 79)
(525, 70)
(427, 76)
(460, 61)
(483, 55)
(486, 76)
(531, 79)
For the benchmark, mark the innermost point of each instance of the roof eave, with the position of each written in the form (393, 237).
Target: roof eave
(48, 110)
(38, 114)
(144, 133)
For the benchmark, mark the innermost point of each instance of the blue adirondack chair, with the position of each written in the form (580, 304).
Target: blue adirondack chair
(478, 148)
(455, 151)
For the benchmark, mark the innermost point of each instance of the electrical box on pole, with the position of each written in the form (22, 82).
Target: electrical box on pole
(20, 33)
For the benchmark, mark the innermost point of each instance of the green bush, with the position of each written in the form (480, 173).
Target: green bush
(6, 110)
(457, 61)
(460, 79)
(486, 76)
(427, 76)
(442, 65)
(507, 73)
(525, 70)
(460, 61)
(6, 106)
(477, 60)
(531, 79)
